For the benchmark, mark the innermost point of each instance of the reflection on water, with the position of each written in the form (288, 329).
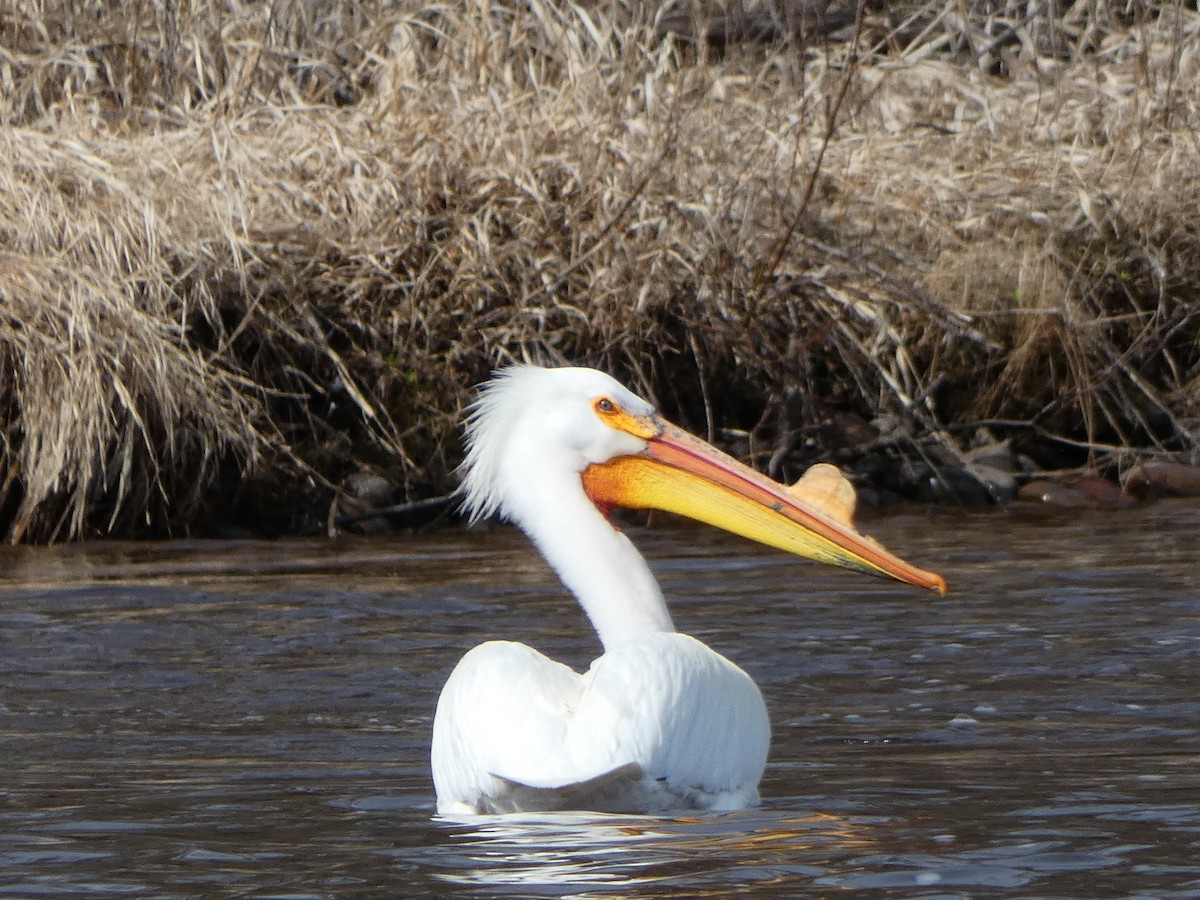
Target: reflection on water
(595, 851)
(188, 718)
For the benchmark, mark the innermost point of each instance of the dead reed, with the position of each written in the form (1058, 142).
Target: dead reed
(250, 249)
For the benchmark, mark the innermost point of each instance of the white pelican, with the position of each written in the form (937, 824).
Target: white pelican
(659, 722)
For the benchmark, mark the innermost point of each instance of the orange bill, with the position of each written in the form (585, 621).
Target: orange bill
(679, 473)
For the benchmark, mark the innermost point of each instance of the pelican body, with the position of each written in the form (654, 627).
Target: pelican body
(659, 722)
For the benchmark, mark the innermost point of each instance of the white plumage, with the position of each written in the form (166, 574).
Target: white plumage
(659, 722)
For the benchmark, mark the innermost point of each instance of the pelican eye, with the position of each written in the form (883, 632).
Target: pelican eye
(614, 415)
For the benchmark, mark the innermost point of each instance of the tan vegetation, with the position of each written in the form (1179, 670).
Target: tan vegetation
(249, 249)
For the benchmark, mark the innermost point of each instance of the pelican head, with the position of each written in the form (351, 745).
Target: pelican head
(531, 421)
(538, 438)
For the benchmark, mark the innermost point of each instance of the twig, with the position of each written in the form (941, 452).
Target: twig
(708, 407)
(398, 509)
(831, 120)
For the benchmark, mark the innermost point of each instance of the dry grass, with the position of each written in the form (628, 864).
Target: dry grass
(252, 248)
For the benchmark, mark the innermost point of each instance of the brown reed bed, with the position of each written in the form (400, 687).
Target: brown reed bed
(250, 250)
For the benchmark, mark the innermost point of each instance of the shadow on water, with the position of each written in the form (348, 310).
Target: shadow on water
(190, 719)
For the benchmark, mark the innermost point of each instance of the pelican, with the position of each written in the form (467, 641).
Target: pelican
(659, 722)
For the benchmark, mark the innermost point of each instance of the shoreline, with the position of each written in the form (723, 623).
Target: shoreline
(239, 275)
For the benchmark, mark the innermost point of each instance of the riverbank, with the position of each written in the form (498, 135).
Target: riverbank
(249, 256)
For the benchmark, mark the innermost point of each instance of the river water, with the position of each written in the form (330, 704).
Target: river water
(204, 719)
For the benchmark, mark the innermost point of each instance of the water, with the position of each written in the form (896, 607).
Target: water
(252, 719)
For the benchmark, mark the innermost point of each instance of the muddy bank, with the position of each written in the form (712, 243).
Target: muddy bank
(250, 255)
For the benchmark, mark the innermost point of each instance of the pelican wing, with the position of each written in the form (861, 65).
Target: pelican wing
(503, 712)
(660, 722)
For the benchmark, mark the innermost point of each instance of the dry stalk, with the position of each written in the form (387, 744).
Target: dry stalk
(250, 249)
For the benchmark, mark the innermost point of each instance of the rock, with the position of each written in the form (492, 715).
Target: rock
(955, 484)
(1086, 491)
(1102, 491)
(362, 494)
(372, 489)
(1000, 483)
(994, 454)
(994, 463)
(1054, 493)
(966, 485)
(1162, 478)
